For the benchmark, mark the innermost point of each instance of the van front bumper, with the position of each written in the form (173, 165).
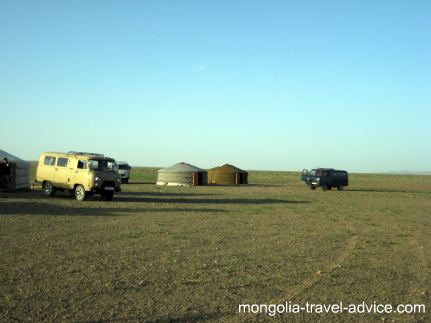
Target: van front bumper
(98, 190)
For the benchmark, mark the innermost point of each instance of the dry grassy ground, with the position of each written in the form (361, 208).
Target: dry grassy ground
(193, 254)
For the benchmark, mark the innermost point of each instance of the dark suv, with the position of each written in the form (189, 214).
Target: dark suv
(327, 178)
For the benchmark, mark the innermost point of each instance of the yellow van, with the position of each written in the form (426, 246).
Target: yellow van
(82, 174)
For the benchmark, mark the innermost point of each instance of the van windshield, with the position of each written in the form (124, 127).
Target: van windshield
(123, 166)
(103, 165)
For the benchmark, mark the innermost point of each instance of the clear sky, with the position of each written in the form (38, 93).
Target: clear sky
(277, 85)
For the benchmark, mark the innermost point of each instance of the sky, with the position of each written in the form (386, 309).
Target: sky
(269, 85)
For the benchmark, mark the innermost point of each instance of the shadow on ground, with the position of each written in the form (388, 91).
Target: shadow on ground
(38, 194)
(37, 208)
(205, 200)
(244, 186)
(142, 197)
(162, 194)
(382, 190)
(140, 183)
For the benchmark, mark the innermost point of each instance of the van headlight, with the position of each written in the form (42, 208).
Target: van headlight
(97, 179)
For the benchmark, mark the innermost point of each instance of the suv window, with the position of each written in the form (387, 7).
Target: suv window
(62, 162)
(49, 160)
(82, 164)
(338, 174)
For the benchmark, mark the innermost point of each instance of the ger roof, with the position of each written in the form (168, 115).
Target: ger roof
(228, 167)
(12, 158)
(181, 167)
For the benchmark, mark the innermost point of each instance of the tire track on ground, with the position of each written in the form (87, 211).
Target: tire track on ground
(317, 277)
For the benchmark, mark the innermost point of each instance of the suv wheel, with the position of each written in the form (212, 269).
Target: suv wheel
(340, 187)
(312, 187)
(324, 187)
(107, 196)
(49, 189)
(80, 193)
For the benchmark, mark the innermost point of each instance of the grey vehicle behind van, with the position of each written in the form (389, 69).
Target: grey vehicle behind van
(124, 171)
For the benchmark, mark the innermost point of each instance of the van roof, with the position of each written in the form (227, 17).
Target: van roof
(78, 153)
(337, 170)
(84, 153)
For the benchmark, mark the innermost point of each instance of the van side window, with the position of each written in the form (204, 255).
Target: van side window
(82, 164)
(49, 160)
(62, 162)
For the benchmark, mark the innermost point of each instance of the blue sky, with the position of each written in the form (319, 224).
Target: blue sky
(277, 85)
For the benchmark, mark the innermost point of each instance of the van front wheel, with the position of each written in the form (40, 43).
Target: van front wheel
(80, 193)
(49, 189)
(107, 196)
